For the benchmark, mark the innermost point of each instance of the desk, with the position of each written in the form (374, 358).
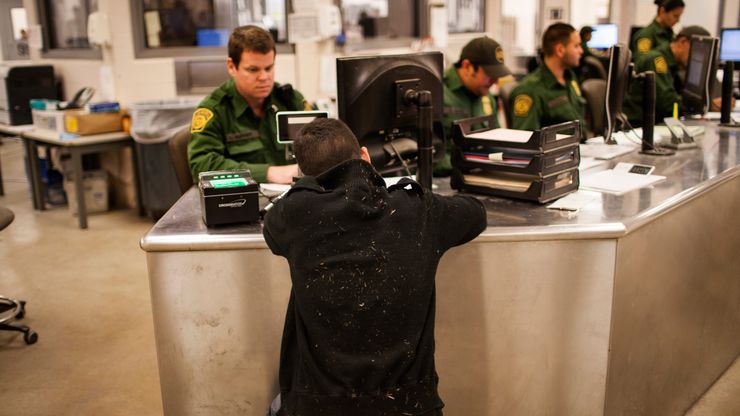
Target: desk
(629, 307)
(11, 131)
(77, 147)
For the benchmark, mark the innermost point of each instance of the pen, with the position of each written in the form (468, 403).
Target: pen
(675, 110)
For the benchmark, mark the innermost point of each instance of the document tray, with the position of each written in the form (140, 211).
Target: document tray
(509, 185)
(545, 139)
(467, 158)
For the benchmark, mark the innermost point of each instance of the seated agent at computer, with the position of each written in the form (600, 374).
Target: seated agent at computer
(666, 61)
(660, 31)
(551, 94)
(467, 86)
(359, 330)
(234, 127)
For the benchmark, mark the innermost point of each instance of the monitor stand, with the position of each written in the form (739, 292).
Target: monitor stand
(726, 113)
(685, 141)
(648, 109)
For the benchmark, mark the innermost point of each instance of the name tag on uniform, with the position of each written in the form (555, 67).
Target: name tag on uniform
(557, 101)
(247, 135)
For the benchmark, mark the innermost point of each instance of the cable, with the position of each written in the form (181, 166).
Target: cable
(400, 159)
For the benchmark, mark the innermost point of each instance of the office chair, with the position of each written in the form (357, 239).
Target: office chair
(505, 94)
(178, 145)
(591, 68)
(594, 91)
(12, 309)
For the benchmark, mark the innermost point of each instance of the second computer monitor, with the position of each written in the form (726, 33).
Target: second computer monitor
(604, 36)
(701, 74)
(616, 86)
(729, 49)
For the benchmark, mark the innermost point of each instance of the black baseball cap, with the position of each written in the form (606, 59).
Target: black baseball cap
(488, 54)
(586, 29)
(690, 31)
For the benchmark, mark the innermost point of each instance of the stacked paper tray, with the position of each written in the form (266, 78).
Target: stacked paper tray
(545, 139)
(504, 160)
(511, 185)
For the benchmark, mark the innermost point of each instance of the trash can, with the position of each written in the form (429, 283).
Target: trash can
(153, 123)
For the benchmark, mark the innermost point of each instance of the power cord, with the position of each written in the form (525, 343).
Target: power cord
(400, 159)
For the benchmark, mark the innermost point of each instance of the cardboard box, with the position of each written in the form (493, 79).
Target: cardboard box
(95, 184)
(92, 123)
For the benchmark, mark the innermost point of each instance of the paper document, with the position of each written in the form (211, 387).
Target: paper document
(574, 201)
(498, 182)
(618, 183)
(603, 151)
(273, 189)
(503, 135)
(588, 163)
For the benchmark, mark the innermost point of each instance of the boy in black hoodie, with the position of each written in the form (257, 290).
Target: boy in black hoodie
(359, 330)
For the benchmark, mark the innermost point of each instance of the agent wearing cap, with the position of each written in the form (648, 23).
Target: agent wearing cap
(586, 32)
(466, 88)
(551, 93)
(666, 61)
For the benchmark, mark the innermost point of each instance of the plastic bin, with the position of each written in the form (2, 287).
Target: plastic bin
(153, 124)
(95, 185)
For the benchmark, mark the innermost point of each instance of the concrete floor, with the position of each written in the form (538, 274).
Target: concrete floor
(88, 299)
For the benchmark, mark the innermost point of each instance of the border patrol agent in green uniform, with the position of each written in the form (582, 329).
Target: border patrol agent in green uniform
(659, 32)
(551, 94)
(665, 61)
(235, 127)
(466, 88)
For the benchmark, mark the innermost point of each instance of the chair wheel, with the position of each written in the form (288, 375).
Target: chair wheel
(30, 337)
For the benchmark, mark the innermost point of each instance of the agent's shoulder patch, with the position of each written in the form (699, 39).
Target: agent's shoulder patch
(644, 45)
(522, 105)
(201, 117)
(661, 66)
(307, 106)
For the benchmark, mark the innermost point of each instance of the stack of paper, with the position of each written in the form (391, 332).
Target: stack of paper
(613, 182)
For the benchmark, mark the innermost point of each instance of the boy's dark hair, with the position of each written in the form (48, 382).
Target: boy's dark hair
(249, 38)
(558, 33)
(323, 144)
(669, 5)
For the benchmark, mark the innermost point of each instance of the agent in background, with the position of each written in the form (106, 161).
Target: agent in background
(467, 85)
(667, 61)
(586, 33)
(660, 31)
(551, 94)
(359, 330)
(234, 127)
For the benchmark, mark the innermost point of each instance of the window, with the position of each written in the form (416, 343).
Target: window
(64, 25)
(200, 27)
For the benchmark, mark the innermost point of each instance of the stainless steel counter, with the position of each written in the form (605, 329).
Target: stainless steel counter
(627, 307)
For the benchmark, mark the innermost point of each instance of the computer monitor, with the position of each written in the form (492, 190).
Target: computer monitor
(371, 93)
(604, 36)
(729, 50)
(701, 73)
(617, 79)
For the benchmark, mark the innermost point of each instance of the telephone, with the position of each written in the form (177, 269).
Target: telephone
(80, 99)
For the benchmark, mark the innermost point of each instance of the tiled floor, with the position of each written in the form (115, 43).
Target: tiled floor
(88, 298)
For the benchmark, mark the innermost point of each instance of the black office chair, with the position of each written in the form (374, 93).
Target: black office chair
(12, 309)
(178, 146)
(591, 68)
(594, 91)
(505, 94)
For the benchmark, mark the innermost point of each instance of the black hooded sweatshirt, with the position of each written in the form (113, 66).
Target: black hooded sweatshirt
(359, 330)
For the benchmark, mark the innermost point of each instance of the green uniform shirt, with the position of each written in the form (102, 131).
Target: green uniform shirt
(540, 100)
(460, 103)
(649, 38)
(661, 61)
(226, 135)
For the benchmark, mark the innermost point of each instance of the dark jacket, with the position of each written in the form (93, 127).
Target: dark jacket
(359, 330)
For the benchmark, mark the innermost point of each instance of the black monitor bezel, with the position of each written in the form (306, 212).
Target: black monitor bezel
(698, 102)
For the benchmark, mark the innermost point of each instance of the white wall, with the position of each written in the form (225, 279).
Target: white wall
(704, 13)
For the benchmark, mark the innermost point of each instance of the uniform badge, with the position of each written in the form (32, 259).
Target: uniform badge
(486, 104)
(644, 44)
(575, 86)
(522, 105)
(661, 66)
(499, 54)
(200, 119)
